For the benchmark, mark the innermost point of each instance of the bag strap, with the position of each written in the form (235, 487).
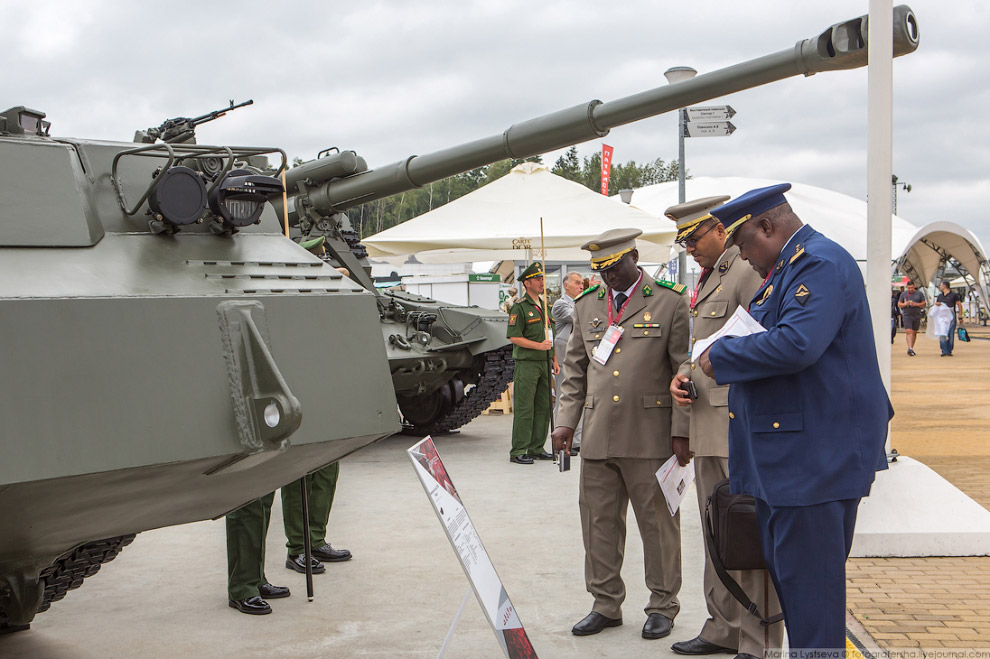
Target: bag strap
(730, 584)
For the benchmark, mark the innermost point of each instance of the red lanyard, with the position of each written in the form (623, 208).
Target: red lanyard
(697, 289)
(611, 304)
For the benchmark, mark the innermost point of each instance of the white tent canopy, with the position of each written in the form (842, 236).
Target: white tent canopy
(928, 247)
(501, 221)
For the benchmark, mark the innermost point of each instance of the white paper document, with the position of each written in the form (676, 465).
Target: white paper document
(740, 323)
(674, 480)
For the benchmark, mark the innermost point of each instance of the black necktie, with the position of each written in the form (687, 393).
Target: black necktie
(620, 299)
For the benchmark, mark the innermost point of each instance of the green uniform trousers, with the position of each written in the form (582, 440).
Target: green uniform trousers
(247, 528)
(530, 407)
(320, 487)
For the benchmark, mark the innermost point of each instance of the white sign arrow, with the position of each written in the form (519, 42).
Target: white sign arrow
(708, 129)
(712, 113)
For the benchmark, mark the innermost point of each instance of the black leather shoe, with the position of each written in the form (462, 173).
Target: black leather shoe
(328, 554)
(698, 645)
(298, 563)
(252, 605)
(542, 456)
(657, 626)
(521, 459)
(593, 623)
(268, 591)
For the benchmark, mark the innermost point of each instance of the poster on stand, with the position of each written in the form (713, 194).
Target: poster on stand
(470, 551)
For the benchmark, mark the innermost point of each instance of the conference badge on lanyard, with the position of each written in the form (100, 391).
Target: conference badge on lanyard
(604, 349)
(612, 335)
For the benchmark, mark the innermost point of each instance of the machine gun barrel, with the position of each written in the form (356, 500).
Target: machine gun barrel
(841, 46)
(216, 114)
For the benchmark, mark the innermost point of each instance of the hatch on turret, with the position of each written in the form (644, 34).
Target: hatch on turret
(45, 201)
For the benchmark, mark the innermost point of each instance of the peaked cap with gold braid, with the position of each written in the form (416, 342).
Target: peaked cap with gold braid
(692, 214)
(609, 248)
(745, 207)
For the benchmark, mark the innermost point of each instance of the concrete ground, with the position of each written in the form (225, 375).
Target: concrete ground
(165, 595)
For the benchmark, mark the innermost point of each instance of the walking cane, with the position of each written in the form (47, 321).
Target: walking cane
(546, 326)
(307, 545)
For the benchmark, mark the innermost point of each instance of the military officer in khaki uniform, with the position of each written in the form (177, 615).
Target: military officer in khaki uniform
(726, 282)
(532, 350)
(628, 422)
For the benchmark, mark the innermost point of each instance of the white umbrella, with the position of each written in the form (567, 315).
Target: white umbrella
(501, 221)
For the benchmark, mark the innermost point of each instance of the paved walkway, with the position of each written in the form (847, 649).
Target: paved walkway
(942, 420)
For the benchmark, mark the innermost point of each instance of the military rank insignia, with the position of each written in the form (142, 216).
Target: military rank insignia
(512, 319)
(766, 294)
(780, 265)
(647, 291)
(802, 294)
(723, 267)
(601, 292)
(798, 251)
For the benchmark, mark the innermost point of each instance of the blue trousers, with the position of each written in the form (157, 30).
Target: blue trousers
(949, 341)
(805, 548)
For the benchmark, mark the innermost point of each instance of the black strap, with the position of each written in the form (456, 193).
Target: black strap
(730, 584)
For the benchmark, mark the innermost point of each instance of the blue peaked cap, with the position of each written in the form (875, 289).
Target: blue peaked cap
(732, 214)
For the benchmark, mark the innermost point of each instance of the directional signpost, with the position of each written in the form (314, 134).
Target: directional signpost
(708, 129)
(709, 122)
(714, 113)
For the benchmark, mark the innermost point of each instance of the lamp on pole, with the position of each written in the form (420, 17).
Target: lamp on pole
(904, 186)
(673, 76)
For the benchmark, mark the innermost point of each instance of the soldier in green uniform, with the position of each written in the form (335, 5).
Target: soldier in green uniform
(247, 587)
(320, 488)
(531, 379)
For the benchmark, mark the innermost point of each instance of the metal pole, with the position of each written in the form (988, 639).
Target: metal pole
(878, 177)
(681, 189)
(307, 546)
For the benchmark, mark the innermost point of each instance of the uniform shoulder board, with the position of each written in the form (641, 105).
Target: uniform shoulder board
(677, 288)
(586, 291)
(798, 253)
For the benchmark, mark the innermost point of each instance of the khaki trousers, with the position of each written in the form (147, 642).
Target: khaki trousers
(607, 489)
(729, 624)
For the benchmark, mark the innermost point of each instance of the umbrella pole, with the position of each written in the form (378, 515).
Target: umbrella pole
(546, 324)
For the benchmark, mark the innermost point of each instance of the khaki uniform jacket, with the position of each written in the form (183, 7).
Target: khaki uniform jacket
(627, 407)
(732, 283)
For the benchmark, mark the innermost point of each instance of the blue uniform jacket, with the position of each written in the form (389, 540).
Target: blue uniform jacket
(808, 410)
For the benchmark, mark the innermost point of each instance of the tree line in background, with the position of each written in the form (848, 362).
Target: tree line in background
(376, 216)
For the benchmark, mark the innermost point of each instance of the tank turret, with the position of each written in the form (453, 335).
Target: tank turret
(163, 340)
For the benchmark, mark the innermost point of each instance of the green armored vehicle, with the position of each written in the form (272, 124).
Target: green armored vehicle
(169, 354)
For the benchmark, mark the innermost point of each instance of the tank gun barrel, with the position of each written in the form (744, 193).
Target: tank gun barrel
(841, 46)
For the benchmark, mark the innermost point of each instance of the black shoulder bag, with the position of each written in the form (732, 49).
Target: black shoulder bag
(732, 534)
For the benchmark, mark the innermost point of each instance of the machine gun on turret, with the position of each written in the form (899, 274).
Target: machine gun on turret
(183, 129)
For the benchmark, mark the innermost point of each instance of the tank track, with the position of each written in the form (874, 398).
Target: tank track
(68, 572)
(70, 569)
(495, 379)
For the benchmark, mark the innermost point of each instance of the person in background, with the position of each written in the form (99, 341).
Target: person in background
(912, 305)
(530, 377)
(562, 313)
(952, 300)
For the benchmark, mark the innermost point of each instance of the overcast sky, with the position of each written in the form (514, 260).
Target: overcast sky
(392, 79)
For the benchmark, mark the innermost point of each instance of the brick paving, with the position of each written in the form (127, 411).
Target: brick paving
(942, 420)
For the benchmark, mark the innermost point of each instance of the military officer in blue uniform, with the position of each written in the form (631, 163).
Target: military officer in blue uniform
(808, 411)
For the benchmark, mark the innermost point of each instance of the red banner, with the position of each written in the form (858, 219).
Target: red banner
(606, 167)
